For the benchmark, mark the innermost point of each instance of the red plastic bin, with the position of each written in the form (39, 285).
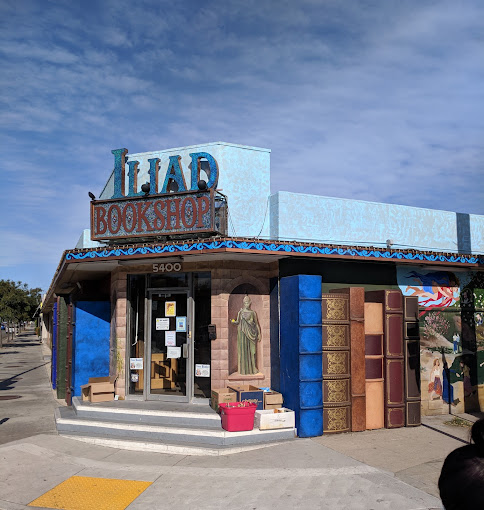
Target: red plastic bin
(237, 416)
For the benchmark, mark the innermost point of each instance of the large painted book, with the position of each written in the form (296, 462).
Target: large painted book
(374, 383)
(411, 334)
(356, 296)
(393, 353)
(336, 363)
(300, 351)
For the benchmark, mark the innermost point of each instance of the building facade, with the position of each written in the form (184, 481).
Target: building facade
(194, 277)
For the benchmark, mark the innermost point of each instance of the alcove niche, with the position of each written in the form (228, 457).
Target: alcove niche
(235, 304)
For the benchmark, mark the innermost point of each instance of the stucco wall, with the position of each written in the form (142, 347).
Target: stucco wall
(85, 240)
(354, 222)
(244, 177)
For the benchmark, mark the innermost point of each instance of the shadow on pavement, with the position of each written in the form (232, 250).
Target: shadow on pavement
(4, 385)
(25, 343)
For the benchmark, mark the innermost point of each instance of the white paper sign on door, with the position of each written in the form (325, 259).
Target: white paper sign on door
(136, 363)
(173, 352)
(202, 370)
(170, 338)
(162, 324)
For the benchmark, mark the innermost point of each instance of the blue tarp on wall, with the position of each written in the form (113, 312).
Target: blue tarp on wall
(90, 342)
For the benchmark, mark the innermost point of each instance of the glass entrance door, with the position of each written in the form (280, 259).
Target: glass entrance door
(167, 373)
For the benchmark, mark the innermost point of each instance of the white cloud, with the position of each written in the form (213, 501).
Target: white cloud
(378, 102)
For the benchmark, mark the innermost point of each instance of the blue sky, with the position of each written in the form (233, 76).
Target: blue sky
(373, 100)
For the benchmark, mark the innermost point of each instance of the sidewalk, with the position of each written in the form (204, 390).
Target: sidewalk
(27, 403)
(413, 455)
(350, 471)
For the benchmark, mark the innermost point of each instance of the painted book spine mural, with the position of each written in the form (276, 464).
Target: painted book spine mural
(392, 302)
(411, 334)
(336, 363)
(300, 348)
(356, 297)
(374, 366)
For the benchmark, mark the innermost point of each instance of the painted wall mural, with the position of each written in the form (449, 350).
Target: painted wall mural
(434, 289)
(451, 320)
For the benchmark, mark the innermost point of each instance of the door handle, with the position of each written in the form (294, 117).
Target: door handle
(185, 350)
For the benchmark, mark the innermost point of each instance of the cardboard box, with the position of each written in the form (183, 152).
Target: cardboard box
(272, 400)
(248, 393)
(273, 406)
(222, 396)
(99, 389)
(269, 419)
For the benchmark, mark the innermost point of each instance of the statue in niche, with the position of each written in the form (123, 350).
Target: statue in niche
(248, 334)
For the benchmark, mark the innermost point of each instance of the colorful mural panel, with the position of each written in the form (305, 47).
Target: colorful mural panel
(434, 289)
(440, 354)
(451, 320)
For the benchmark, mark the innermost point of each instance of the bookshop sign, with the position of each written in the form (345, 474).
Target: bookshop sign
(156, 213)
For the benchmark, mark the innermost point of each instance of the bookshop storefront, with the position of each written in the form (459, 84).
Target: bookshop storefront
(165, 298)
(178, 335)
(169, 331)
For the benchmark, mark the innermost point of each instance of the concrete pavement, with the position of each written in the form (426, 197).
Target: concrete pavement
(24, 369)
(413, 455)
(302, 473)
(369, 470)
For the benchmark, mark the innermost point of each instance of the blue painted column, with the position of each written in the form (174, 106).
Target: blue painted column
(301, 366)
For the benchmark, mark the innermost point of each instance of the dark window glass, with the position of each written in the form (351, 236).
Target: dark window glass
(202, 291)
(136, 331)
(168, 280)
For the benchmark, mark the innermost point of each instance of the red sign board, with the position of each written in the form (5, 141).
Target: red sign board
(155, 215)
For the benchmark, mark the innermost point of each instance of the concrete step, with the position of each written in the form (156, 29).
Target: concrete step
(190, 415)
(68, 422)
(167, 447)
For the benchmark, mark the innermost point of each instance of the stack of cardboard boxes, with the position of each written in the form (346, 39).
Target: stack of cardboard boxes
(269, 414)
(247, 393)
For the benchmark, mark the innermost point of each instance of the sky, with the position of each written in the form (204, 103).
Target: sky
(371, 100)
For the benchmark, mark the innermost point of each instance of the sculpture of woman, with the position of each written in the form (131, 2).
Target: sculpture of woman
(248, 334)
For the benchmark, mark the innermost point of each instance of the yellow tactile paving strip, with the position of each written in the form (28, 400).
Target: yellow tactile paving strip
(86, 493)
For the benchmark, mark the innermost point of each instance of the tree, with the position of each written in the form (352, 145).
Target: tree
(18, 302)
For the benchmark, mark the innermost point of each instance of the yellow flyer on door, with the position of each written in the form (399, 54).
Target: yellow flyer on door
(170, 309)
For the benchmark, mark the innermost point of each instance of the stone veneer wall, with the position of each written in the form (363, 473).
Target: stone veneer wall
(118, 329)
(226, 276)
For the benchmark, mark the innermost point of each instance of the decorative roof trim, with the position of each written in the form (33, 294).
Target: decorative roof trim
(280, 247)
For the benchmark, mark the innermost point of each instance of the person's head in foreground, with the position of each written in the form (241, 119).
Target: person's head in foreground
(461, 481)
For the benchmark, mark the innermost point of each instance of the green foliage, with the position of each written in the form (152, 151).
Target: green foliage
(17, 301)
(458, 422)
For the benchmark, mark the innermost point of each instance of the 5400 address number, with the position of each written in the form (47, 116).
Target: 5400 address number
(167, 268)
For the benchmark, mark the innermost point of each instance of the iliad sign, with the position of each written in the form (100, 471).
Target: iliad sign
(154, 211)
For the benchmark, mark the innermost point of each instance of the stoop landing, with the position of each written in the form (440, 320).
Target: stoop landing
(188, 429)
